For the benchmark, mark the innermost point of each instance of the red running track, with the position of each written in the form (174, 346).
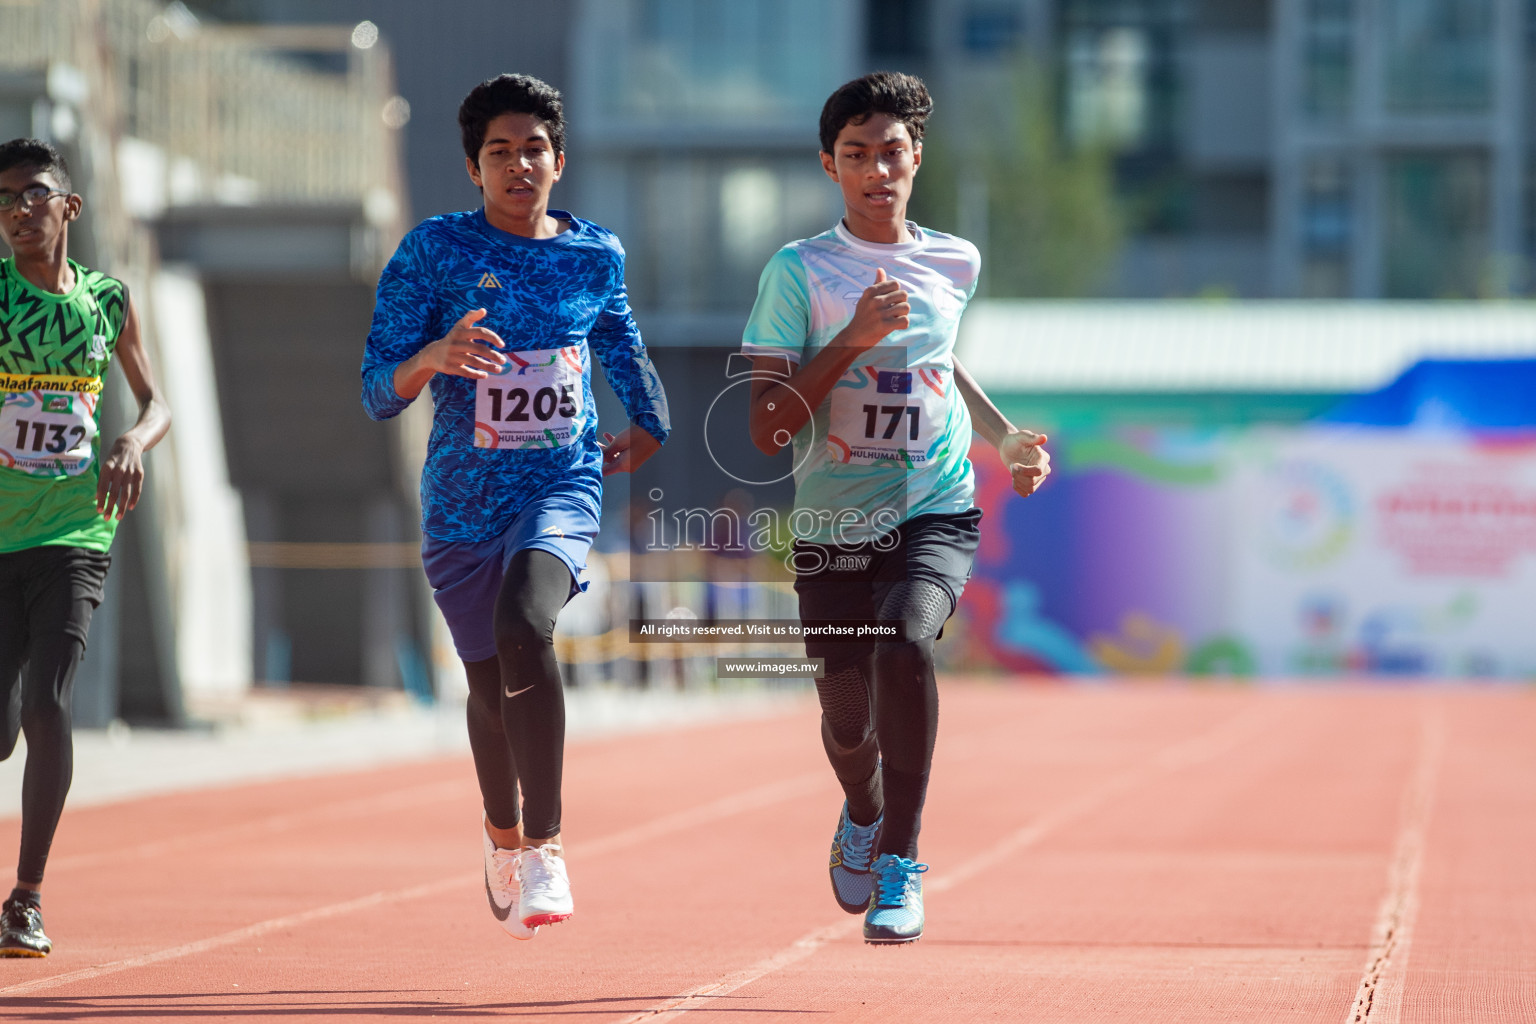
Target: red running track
(1141, 853)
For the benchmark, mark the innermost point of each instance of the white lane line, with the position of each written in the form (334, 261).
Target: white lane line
(1183, 754)
(1379, 999)
(426, 793)
(705, 814)
(240, 934)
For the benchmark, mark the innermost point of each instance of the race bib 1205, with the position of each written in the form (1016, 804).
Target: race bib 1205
(887, 415)
(48, 433)
(533, 401)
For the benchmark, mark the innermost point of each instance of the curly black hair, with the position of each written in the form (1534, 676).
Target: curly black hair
(510, 94)
(40, 156)
(904, 97)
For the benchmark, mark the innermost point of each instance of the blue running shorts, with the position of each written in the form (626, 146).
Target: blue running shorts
(466, 578)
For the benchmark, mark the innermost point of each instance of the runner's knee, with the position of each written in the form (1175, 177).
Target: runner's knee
(922, 607)
(844, 696)
(43, 715)
(521, 631)
(906, 657)
(45, 694)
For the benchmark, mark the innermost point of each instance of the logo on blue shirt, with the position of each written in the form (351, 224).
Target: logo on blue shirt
(893, 382)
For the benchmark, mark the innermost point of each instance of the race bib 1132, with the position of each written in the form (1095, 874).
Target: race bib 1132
(48, 433)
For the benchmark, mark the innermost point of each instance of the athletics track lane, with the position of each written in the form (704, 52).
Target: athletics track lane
(1138, 853)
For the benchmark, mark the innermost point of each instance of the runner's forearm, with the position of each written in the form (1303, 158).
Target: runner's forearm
(812, 382)
(986, 419)
(153, 424)
(411, 376)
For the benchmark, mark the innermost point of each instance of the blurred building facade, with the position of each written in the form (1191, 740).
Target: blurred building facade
(1280, 148)
(1260, 148)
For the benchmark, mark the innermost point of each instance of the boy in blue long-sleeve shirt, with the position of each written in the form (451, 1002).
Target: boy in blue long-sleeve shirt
(499, 311)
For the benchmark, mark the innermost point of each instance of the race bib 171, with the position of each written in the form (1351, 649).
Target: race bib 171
(887, 415)
(534, 400)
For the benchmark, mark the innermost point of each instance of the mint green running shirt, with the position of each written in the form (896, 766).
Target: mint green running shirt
(890, 441)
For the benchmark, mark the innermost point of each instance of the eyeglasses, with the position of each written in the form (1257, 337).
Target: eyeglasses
(34, 196)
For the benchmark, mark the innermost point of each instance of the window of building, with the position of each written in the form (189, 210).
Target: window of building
(1121, 78)
(1435, 224)
(1327, 227)
(1438, 56)
(693, 62)
(1328, 71)
(897, 30)
(702, 227)
(1107, 101)
(1234, 203)
(1246, 16)
(1121, 88)
(988, 28)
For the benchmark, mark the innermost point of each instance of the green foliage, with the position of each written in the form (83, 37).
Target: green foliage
(1053, 227)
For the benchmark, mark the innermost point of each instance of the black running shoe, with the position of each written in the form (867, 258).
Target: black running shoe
(21, 930)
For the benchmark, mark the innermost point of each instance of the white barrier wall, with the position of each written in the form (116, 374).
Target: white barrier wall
(213, 588)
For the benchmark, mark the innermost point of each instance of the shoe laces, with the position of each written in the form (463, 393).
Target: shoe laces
(19, 915)
(504, 862)
(893, 875)
(856, 842)
(542, 870)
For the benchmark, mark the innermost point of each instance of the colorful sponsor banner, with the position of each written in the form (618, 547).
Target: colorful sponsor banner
(1311, 552)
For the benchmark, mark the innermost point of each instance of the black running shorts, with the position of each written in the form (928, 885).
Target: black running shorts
(837, 583)
(51, 588)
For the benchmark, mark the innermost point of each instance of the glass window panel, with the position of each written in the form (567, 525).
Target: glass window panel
(704, 227)
(1438, 55)
(1327, 208)
(990, 29)
(705, 62)
(1121, 81)
(1328, 59)
(1435, 226)
(897, 30)
(1107, 100)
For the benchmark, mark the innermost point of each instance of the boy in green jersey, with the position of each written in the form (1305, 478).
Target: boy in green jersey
(60, 502)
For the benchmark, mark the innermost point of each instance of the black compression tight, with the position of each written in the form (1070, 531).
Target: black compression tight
(516, 705)
(904, 716)
(35, 701)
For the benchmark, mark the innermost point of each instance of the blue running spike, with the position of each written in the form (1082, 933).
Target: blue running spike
(852, 846)
(895, 912)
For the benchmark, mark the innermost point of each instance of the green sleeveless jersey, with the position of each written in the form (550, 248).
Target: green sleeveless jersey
(54, 352)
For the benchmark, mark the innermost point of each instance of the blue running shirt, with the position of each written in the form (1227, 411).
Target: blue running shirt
(531, 429)
(891, 440)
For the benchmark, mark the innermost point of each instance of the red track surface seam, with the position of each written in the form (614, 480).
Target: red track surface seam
(1380, 997)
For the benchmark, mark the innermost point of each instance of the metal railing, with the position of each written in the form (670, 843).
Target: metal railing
(243, 113)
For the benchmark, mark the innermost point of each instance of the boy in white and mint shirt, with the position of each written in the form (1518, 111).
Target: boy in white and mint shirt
(890, 435)
(852, 339)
